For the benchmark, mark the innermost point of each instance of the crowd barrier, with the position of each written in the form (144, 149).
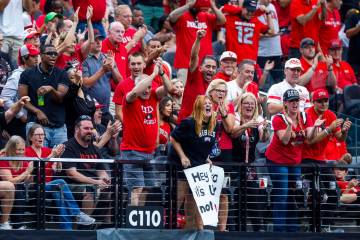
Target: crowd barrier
(312, 201)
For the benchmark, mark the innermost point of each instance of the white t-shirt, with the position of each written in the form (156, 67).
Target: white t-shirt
(11, 21)
(234, 90)
(270, 46)
(277, 91)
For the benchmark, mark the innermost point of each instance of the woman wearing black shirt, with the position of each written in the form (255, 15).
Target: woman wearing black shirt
(192, 143)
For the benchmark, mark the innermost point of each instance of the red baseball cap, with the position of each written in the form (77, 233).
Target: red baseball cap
(202, 4)
(335, 44)
(30, 32)
(27, 49)
(320, 94)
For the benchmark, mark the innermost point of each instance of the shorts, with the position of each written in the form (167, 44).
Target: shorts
(138, 175)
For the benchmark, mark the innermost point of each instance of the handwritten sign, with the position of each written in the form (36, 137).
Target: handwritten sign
(206, 184)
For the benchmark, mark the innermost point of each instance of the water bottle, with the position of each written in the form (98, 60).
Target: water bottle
(41, 100)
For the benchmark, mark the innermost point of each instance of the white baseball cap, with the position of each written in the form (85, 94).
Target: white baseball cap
(228, 54)
(293, 63)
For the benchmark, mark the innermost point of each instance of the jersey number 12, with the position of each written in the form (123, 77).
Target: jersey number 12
(245, 34)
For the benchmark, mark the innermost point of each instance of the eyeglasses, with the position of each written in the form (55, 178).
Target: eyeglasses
(51, 54)
(39, 135)
(295, 69)
(248, 104)
(220, 91)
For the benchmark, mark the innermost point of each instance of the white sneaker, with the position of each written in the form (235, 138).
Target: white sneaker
(5, 226)
(84, 219)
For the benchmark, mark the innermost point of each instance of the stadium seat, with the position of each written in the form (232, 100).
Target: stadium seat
(352, 100)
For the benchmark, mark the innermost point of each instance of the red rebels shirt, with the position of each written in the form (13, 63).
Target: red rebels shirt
(121, 57)
(223, 76)
(195, 85)
(99, 7)
(242, 37)
(329, 29)
(318, 79)
(344, 74)
(185, 29)
(128, 35)
(140, 129)
(317, 151)
(310, 29)
(290, 153)
(45, 152)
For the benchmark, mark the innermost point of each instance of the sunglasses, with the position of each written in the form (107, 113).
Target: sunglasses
(51, 54)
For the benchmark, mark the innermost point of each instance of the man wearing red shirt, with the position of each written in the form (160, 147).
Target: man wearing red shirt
(99, 7)
(283, 12)
(186, 20)
(228, 67)
(198, 78)
(306, 17)
(315, 74)
(330, 28)
(140, 132)
(243, 29)
(343, 71)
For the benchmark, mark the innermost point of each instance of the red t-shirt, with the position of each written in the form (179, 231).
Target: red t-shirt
(317, 151)
(185, 29)
(242, 37)
(99, 7)
(195, 85)
(14, 172)
(290, 153)
(343, 186)
(283, 14)
(253, 88)
(223, 76)
(45, 152)
(310, 29)
(164, 133)
(128, 35)
(335, 149)
(225, 141)
(319, 77)
(140, 125)
(329, 29)
(63, 59)
(157, 82)
(121, 58)
(344, 74)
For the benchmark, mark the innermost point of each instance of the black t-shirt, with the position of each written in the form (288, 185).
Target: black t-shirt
(354, 44)
(34, 78)
(5, 69)
(196, 147)
(74, 150)
(2, 126)
(239, 145)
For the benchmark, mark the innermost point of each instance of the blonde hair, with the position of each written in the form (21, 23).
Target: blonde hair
(213, 85)
(242, 98)
(198, 115)
(10, 150)
(120, 8)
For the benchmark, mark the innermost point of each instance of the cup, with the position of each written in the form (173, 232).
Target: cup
(263, 183)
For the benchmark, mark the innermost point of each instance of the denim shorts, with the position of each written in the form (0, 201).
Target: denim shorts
(138, 175)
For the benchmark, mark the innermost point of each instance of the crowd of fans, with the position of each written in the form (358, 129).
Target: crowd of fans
(196, 80)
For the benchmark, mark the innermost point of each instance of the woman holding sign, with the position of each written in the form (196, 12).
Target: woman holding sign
(192, 142)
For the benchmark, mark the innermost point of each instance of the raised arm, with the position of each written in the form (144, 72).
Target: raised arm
(141, 86)
(304, 18)
(194, 55)
(177, 13)
(220, 18)
(85, 48)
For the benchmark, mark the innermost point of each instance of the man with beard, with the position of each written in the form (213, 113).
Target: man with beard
(243, 29)
(186, 21)
(198, 78)
(141, 127)
(315, 74)
(85, 178)
(228, 67)
(46, 85)
(292, 74)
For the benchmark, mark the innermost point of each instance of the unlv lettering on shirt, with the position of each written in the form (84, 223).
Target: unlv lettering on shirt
(126, 39)
(332, 22)
(88, 156)
(197, 25)
(149, 116)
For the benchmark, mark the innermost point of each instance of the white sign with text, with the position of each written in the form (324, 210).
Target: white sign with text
(206, 184)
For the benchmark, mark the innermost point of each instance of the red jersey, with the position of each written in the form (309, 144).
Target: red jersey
(14, 172)
(290, 153)
(164, 133)
(310, 29)
(121, 57)
(344, 74)
(128, 35)
(99, 7)
(195, 85)
(45, 152)
(317, 151)
(242, 37)
(223, 76)
(225, 141)
(63, 59)
(318, 79)
(329, 29)
(140, 128)
(185, 29)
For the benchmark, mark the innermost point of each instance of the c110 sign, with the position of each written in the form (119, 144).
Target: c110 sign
(148, 217)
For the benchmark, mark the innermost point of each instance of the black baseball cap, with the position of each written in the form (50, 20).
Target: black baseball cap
(291, 94)
(250, 5)
(97, 34)
(307, 42)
